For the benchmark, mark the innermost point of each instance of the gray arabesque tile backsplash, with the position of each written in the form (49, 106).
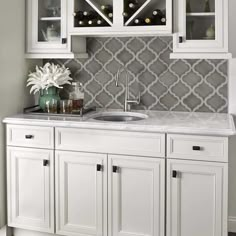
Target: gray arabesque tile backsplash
(165, 84)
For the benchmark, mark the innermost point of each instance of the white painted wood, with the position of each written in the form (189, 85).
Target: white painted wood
(190, 55)
(136, 196)
(42, 137)
(81, 194)
(219, 45)
(232, 224)
(211, 148)
(30, 189)
(197, 198)
(108, 141)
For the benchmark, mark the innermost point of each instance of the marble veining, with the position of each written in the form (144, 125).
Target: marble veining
(157, 121)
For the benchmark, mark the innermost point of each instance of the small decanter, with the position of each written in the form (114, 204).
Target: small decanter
(77, 97)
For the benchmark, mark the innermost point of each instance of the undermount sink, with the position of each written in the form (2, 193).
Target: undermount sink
(120, 116)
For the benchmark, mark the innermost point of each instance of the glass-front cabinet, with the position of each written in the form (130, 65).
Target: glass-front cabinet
(47, 33)
(201, 26)
(116, 17)
(47, 30)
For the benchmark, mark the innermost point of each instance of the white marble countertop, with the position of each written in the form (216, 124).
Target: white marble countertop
(157, 121)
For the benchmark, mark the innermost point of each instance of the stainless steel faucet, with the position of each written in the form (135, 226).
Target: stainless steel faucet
(127, 101)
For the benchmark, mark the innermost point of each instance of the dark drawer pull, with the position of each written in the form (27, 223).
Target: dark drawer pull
(29, 136)
(115, 169)
(45, 162)
(99, 167)
(181, 39)
(196, 148)
(174, 174)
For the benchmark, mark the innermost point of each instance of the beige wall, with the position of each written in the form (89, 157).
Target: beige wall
(13, 73)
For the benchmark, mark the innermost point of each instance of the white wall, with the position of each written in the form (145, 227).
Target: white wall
(13, 74)
(232, 110)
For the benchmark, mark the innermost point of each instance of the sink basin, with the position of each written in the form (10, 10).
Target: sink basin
(120, 116)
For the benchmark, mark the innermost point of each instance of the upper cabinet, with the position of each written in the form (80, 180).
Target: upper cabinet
(123, 17)
(201, 29)
(47, 34)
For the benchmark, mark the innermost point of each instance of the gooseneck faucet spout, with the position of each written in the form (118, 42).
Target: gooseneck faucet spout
(127, 101)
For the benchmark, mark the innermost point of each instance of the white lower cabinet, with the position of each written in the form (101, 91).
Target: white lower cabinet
(81, 193)
(30, 189)
(136, 196)
(196, 198)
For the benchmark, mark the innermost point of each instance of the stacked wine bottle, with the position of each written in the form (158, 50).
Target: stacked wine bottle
(158, 16)
(92, 18)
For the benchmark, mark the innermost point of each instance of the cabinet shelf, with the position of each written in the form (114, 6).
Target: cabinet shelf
(50, 18)
(201, 14)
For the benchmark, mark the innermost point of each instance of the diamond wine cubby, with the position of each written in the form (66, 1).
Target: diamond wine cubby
(200, 19)
(49, 25)
(144, 12)
(92, 13)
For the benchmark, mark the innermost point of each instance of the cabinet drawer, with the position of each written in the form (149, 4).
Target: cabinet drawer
(192, 147)
(30, 136)
(108, 141)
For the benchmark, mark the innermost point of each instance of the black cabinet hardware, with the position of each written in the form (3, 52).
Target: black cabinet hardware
(115, 169)
(196, 148)
(45, 162)
(29, 136)
(99, 167)
(181, 39)
(174, 174)
(64, 40)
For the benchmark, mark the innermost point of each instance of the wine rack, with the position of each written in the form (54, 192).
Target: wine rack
(88, 13)
(145, 13)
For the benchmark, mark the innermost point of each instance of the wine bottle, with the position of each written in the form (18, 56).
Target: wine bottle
(139, 21)
(91, 22)
(78, 15)
(82, 23)
(148, 21)
(159, 17)
(101, 22)
(90, 15)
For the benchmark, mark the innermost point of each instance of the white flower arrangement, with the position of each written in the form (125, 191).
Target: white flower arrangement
(49, 75)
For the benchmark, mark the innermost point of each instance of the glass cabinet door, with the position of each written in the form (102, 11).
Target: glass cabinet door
(200, 26)
(47, 26)
(49, 21)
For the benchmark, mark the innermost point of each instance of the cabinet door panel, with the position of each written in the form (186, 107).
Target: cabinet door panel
(30, 189)
(197, 198)
(81, 193)
(136, 196)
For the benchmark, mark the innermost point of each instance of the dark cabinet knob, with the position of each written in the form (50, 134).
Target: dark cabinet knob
(174, 174)
(115, 169)
(29, 136)
(45, 162)
(181, 39)
(64, 40)
(99, 167)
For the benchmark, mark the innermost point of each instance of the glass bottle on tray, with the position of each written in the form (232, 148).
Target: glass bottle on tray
(77, 97)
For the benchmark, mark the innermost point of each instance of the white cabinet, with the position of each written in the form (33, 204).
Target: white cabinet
(81, 193)
(201, 29)
(196, 198)
(30, 189)
(47, 33)
(136, 196)
(118, 23)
